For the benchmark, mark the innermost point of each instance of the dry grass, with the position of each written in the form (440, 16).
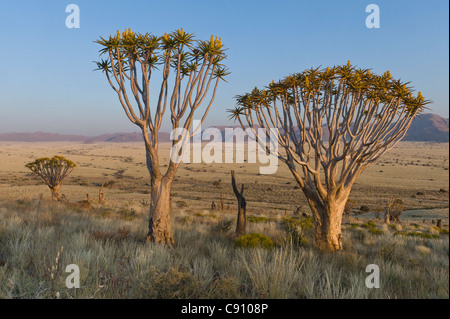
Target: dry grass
(116, 262)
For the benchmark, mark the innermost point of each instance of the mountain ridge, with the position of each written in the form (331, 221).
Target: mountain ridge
(425, 128)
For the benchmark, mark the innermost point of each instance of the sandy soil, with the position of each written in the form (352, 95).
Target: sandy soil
(417, 173)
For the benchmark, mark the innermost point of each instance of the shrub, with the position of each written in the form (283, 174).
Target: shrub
(224, 226)
(388, 251)
(305, 222)
(253, 240)
(105, 213)
(128, 214)
(224, 288)
(441, 231)
(369, 224)
(120, 234)
(109, 184)
(294, 229)
(422, 235)
(176, 284)
(257, 219)
(181, 204)
(185, 219)
(364, 209)
(375, 231)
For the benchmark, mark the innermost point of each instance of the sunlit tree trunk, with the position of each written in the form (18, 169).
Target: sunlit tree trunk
(327, 223)
(160, 227)
(55, 191)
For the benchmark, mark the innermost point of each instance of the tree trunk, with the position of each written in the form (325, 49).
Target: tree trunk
(55, 191)
(242, 207)
(160, 227)
(327, 223)
(241, 220)
(387, 218)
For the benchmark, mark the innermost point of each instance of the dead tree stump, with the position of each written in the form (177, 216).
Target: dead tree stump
(242, 207)
(101, 196)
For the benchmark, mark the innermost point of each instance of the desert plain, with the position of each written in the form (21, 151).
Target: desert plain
(415, 172)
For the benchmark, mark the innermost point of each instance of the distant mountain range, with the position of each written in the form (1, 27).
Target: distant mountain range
(425, 128)
(428, 128)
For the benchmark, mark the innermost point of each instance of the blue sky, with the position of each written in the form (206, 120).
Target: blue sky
(47, 82)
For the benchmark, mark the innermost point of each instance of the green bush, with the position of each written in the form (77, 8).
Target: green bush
(257, 219)
(372, 223)
(423, 235)
(441, 231)
(253, 240)
(294, 229)
(369, 224)
(375, 231)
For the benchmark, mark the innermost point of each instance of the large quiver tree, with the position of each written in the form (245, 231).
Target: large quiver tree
(52, 171)
(332, 124)
(189, 69)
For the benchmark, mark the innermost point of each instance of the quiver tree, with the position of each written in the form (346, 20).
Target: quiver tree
(52, 171)
(394, 210)
(188, 70)
(332, 124)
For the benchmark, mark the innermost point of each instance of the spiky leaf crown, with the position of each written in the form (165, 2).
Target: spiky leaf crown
(336, 80)
(153, 50)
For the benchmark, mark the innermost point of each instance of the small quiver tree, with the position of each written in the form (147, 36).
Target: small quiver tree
(52, 171)
(394, 210)
(332, 124)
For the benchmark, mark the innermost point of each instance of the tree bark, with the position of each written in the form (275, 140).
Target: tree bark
(242, 207)
(327, 223)
(160, 227)
(55, 191)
